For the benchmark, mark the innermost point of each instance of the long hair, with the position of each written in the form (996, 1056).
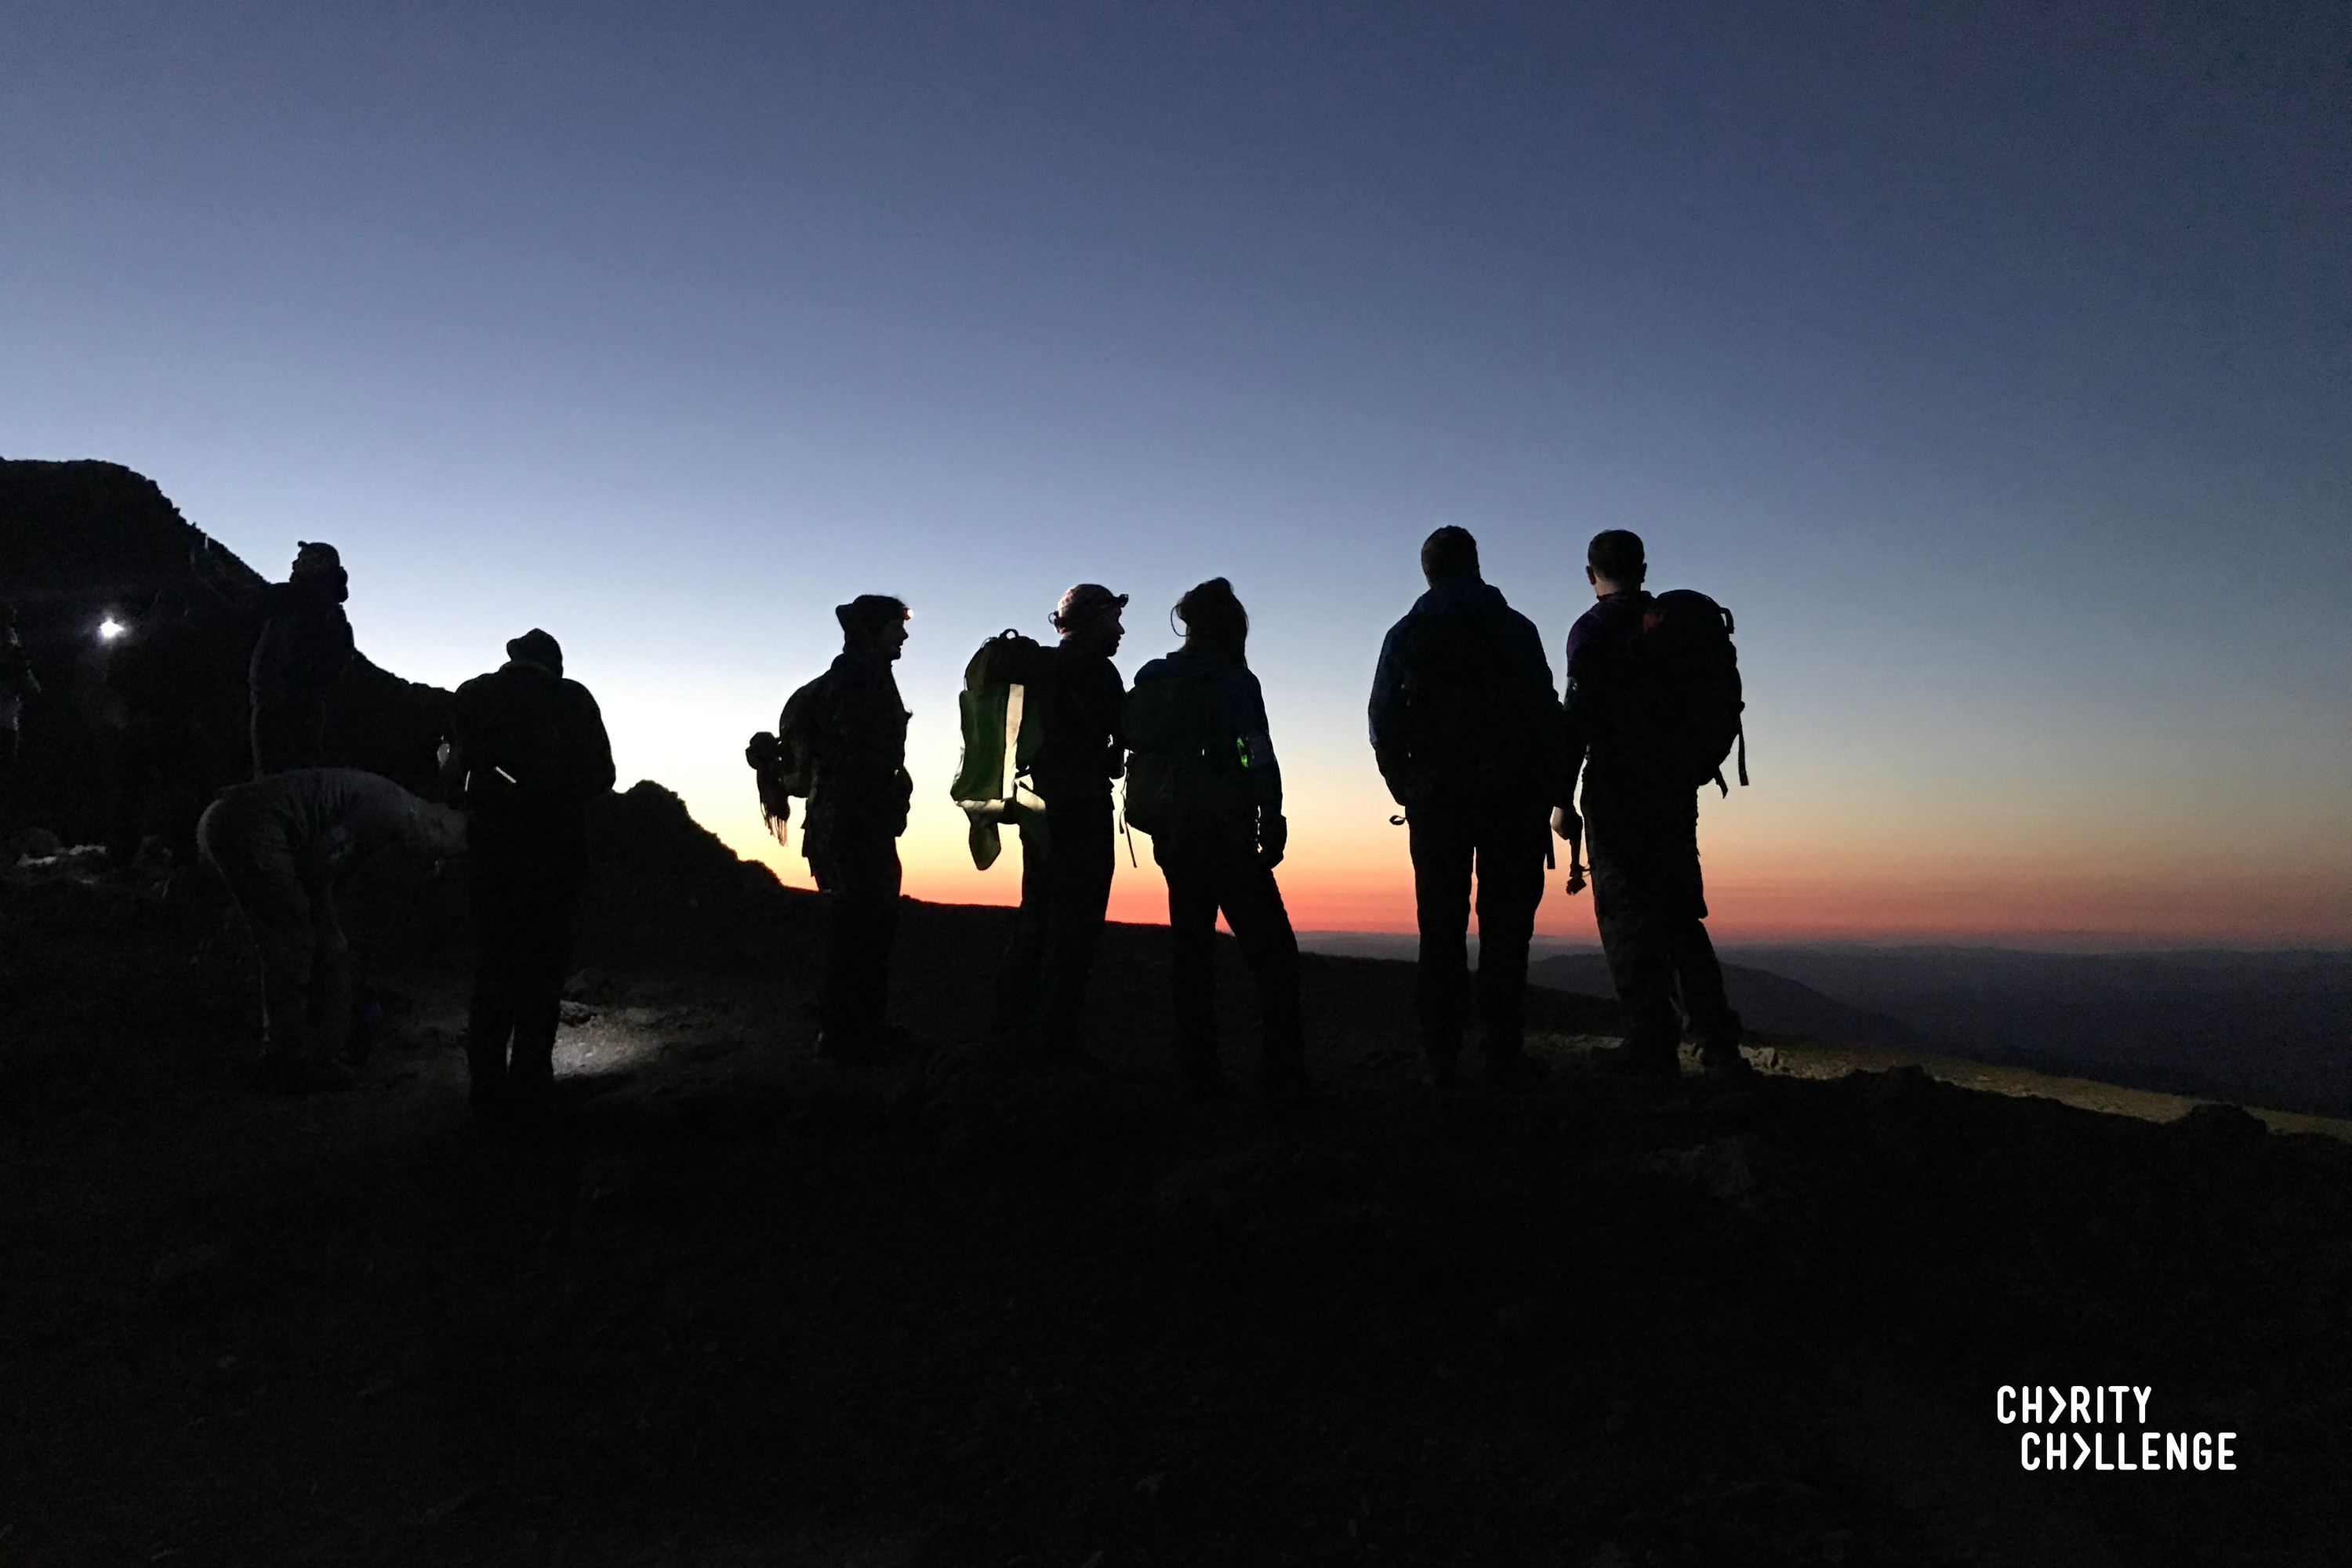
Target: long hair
(1212, 614)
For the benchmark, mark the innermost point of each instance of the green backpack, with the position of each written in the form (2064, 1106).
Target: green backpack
(1182, 771)
(1003, 731)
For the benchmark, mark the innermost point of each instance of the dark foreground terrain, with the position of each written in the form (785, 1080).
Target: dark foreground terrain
(743, 1307)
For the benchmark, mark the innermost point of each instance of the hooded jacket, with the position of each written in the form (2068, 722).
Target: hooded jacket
(1462, 706)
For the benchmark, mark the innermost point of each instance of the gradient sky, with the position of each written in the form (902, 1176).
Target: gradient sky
(1991, 362)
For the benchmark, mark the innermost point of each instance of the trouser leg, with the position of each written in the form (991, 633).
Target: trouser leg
(860, 874)
(1192, 936)
(490, 1018)
(543, 954)
(253, 857)
(1080, 866)
(837, 1001)
(1441, 851)
(1698, 982)
(1510, 887)
(859, 930)
(1253, 905)
(330, 977)
(873, 979)
(1699, 976)
(1636, 904)
(1017, 974)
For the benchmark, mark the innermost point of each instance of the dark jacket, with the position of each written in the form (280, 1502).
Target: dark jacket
(1237, 715)
(859, 742)
(1083, 749)
(329, 817)
(1602, 726)
(305, 647)
(1462, 705)
(534, 752)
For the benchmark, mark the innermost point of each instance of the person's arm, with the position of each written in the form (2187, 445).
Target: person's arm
(1113, 695)
(1576, 716)
(1543, 709)
(1261, 770)
(591, 748)
(1386, 714)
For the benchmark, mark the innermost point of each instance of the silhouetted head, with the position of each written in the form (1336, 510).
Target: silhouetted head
(322, 564)
(1450, 552)
(1088, 618)
(1613, 562)
(1214, 620)
(535, 646)
(874, 624)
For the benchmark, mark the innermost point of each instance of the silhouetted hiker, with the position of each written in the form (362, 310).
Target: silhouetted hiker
(851, 727)
(531, 750)
(1466, 728)
(305, 647)
(1201, 779)
(1648, 730)
(1065, 860)
(17, 686)
(280, 843)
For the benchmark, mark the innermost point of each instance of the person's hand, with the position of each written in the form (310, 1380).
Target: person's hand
(1273, 837)
(1566, 823)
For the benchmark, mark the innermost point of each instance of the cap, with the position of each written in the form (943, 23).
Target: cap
(1083, 603)
(535, 646)
(871, 613)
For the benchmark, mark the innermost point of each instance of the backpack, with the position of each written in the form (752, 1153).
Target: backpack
(1004, 732)
(1462, 726)
(1181, 769)
(1686, 688)
(784, 763)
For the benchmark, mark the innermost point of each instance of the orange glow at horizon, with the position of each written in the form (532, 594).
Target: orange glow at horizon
(1780, 894)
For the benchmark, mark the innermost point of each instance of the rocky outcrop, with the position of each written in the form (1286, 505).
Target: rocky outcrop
(83, 543)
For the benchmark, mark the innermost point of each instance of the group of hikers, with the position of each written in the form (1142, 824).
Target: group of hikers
(1472, 737)
(1482, 753)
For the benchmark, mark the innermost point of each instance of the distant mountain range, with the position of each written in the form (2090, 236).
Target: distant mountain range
(1765, 1001)
(2270, 1027)
(2274, 1027)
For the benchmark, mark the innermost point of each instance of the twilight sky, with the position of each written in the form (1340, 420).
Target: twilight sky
(1991, 362)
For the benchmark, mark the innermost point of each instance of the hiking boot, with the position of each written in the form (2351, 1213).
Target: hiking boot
(1515, 1069)
(1637, 1061)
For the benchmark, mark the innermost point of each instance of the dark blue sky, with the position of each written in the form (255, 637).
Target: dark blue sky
(1992, 361)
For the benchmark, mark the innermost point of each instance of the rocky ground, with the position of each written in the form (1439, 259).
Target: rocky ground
(744, 1308)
